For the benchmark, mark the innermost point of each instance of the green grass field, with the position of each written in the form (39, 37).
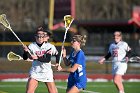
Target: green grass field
(92, 87)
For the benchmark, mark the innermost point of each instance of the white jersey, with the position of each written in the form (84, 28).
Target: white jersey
(42, 71)
(118, 51)
(39, 51)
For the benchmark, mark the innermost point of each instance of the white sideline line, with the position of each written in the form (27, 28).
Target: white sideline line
(85, 91)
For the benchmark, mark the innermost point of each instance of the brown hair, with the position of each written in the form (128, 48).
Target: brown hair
(80, 38)
(120, 33)
(41, 28)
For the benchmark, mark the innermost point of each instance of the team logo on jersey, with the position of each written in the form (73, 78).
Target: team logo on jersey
(40, 53)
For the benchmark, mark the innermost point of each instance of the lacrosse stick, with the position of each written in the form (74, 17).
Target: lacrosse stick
(11, 56)
(135, 59)
(68, 19)
(6, 24)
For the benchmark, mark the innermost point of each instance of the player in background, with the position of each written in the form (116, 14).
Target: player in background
(41, 66)
(118, 51)
(77, 78)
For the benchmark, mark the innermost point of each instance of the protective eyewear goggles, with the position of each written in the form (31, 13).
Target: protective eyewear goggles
(39, 35)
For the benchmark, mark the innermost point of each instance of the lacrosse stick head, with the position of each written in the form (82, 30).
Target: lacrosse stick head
(12, 56)
(4, 21)
(68, 20)
(135, 59)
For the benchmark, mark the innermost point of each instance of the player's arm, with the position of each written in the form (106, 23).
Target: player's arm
(131, 53)
(46, 58)
(57, 56)
(106, 57)
(26, 54)
(73, 69)
(66, 61)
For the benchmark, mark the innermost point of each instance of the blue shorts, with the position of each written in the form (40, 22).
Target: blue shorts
(79, 85)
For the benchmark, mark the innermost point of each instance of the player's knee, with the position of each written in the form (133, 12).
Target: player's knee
(53, 90)
(115, 81)
(29, 91)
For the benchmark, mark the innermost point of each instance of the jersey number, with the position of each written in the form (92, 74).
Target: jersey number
(115, 53)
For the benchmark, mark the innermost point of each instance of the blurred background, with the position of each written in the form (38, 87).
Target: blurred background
(97, 19)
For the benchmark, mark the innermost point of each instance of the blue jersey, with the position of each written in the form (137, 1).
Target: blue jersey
(78, 78)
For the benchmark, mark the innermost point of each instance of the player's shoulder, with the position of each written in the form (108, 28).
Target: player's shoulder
(49, 45)
(111, 43)
(81, 52)
(32, 44)
(124, 43)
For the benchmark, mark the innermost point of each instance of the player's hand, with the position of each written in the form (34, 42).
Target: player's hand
(101, 61)
(25, 48)
(34, 57)
(127, 59)
(56, 65)
(59, 68)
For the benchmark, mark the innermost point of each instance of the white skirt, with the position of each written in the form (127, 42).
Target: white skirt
(42, 72)
(119, 68)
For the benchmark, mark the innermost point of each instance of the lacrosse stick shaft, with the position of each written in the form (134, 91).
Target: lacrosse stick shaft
(18, 38)
(63, 46)
(5, 23)
(68, 21)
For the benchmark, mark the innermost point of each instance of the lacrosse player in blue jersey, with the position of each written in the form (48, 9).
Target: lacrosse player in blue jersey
(77, 78)
(118, 50)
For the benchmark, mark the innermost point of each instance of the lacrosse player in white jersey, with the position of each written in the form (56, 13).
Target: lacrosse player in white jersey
(41, 66)
(118, 51)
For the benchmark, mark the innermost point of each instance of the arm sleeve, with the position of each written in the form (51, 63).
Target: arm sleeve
(57, 56)
(131, 53)
(25, 55)
(107, 56)
(46, 58)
